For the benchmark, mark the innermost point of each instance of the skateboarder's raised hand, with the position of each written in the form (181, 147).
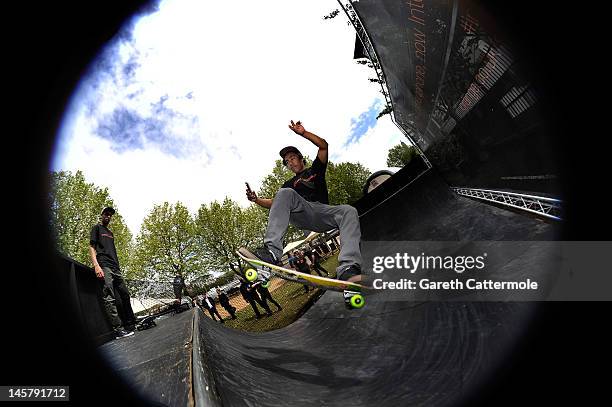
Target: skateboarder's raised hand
(297, 128)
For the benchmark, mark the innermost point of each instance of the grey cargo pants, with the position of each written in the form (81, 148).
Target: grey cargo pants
(289, 207)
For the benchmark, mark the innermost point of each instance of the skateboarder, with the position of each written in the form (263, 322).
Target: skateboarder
(303, 201)
(103, 255)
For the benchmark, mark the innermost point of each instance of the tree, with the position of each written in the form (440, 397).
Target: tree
(400, 155)
(222, 228)
(75, 207)
(273, 181)
(345, 182)
(166, 245)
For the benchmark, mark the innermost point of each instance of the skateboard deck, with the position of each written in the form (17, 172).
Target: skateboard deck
(266, 270)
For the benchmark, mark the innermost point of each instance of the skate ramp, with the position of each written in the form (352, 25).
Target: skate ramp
(156, 363)
(389, 353)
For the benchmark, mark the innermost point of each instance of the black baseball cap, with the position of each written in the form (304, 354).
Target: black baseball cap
(287, 150)
(108, 209)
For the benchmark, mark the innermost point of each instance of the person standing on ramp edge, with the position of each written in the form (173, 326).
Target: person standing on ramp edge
(106, 266)
(303, 202)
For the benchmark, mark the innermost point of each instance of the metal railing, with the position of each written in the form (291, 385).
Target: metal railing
(544, 206)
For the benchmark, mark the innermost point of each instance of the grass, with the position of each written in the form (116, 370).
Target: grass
(291, 297)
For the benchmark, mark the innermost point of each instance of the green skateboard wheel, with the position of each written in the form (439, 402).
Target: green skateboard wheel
(357, 301)
(250, 275)
(265, 284)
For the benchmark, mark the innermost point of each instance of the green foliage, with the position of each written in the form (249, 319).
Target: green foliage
(166, 245)
(345, 182)
(272, 182)
(400, 155)
(75, 207)
(171, 241)
(222, 228)
(222, 279)
(331, 15)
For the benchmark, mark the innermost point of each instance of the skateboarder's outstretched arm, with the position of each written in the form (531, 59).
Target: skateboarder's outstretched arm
(298, 128)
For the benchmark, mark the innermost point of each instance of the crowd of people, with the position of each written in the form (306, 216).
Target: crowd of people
(257, 294)
(305, 260)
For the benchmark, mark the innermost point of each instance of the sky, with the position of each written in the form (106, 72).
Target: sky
(193, 99)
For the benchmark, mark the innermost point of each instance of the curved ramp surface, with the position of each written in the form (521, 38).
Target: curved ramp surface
(156, 363)
(389, 353)
(395, 353)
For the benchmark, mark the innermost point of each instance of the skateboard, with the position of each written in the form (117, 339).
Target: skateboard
(262, 272)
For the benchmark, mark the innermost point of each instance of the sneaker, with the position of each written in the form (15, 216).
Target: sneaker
(350, 271)
(122, 333)
(264, 254)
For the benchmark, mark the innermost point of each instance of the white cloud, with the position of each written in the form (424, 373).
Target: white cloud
(249, 68)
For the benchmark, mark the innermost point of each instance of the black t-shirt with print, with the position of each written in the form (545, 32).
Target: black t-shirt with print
(310, 183)
(103, 240)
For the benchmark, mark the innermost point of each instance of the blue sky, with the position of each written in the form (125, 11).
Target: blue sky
(194, 97)
(364, 122)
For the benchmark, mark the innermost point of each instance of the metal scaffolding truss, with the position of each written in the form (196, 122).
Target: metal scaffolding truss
(548, 207)
(354, 19)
